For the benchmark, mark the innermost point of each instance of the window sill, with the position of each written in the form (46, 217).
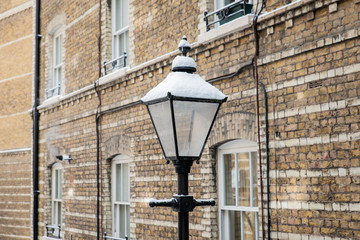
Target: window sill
(50, 101)
(114, 75)
(226, 29)
(49, 238)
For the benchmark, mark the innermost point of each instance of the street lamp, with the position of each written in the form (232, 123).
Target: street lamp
(183, 108)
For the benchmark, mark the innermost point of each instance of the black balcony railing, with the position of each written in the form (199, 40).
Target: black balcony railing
(53, 231)
(50, 92)
(228, 13)
(116, 63)
(114, 238)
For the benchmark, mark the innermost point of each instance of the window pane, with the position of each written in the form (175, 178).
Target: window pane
(228, 2)
(125, 185)
(57, 184)
(57, 77)
(128, 221)
(244, 179)
(54, 212)
(121, 44)
(56, 188)
(229, 179)
(125, 13)
(59, 54)
(255, 185)
(250, 225)
(53, 83)
(59, 80)
(126, 34)
(60, 184)
(121, 14)
(58, 50)
(116, 220)
(124, 220)
(118, 184)
(116, 46)
(117, 15)
(59, 213)
(232, 225)
(122, 47)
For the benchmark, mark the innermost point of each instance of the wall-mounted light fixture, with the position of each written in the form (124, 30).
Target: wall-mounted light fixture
(64, 157)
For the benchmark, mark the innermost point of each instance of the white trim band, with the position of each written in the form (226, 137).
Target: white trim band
(15, 150)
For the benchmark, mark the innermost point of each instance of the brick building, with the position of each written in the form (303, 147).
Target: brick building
(308, 62)
(16, 73)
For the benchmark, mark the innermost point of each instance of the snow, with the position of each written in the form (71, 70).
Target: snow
(184, 84)
(184, 42)
(181, 61)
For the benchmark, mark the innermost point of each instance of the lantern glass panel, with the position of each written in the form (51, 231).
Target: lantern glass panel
(162, 120)
(193, 121)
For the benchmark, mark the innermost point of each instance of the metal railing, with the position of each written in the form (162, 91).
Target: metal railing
(118, 62)
(228, 13)
(50, 92)
(53, 230)
(114, 238)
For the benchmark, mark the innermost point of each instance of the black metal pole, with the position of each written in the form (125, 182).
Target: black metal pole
(183, 217)
(183, 225)
(36, 117)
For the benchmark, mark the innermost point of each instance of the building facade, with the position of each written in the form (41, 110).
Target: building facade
(101, 162)
(16, 74)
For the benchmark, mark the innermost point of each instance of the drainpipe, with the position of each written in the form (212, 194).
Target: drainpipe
(36, 116)
(258, 83)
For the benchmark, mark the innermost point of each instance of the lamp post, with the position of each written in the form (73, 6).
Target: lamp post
(183, 108)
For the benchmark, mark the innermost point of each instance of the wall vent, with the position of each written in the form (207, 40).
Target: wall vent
(315, 84)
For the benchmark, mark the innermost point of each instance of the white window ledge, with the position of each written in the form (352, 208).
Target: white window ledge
(49, 238)
(114, 75)
(226, 29)
(50, 101)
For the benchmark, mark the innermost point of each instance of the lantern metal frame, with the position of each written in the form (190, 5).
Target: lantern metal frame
(173, 98)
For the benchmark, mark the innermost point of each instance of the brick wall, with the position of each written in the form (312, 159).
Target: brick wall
(309, 63)
(16, 28)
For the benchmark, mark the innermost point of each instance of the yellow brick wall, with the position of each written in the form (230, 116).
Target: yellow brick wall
(16, 64)
(309, 63)
(10, 4)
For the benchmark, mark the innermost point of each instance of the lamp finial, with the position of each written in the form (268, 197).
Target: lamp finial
(184, 46)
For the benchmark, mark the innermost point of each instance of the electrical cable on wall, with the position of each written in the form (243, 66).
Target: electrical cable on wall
(256, 78)
(98, 122)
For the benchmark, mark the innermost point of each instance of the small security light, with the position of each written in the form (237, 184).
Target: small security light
(64, 157)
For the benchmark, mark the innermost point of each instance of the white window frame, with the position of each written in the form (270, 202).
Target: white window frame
(56, 199)
(117, 205)
(122, 32)
(221, 3)
(54, 88)
(234, 147)
(221, 31)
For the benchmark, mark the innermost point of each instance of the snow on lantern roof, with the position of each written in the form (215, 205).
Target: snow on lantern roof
(183, 84)
(183, 63)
